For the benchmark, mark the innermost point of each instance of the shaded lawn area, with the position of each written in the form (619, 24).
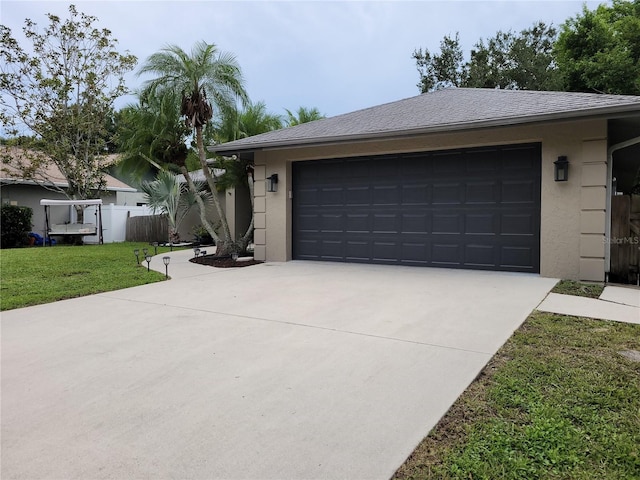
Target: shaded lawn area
(558, 401)
(31, 276)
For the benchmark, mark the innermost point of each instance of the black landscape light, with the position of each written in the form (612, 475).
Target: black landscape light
(136, 252)
(155, 248)
(145, 251)
(148, 259)
(203, 252)
(166, 261)
(234, 256)
(561, 169)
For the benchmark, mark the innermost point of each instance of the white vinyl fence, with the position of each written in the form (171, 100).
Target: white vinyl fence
(114, 221)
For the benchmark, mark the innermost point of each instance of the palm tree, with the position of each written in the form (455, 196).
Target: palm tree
(151, 135)
(170, 197)
(252, 120)
(209, 80)
(303, 115)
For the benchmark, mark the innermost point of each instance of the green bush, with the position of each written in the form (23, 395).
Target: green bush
(15, 225)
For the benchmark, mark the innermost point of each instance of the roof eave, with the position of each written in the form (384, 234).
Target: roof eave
(450, 127)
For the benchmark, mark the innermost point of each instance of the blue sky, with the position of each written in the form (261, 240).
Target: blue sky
(338, 56)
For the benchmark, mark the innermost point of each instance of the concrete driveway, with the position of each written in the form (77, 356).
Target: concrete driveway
(300, 370)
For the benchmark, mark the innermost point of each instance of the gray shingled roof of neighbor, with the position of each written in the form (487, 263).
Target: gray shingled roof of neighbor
(443, 110)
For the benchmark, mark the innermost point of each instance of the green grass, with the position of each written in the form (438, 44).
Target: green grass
(558, 401)
(31, 276)
(570, 287)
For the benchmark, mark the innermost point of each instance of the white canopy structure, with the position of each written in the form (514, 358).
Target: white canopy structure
(72, 228)
(92, 201)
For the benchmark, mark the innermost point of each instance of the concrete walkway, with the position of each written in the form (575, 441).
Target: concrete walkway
(301, 370)
(620, 304)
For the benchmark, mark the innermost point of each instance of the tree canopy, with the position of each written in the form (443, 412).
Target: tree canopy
(599, 50)
(303, 115)
(596, 51)
(508, 60)
(61, 88)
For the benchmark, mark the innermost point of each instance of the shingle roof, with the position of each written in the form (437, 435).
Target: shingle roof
(48, 173)
(442, 110)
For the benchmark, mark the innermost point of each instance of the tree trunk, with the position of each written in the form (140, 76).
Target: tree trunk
(248, 235)
(224, 245)
(201, 208)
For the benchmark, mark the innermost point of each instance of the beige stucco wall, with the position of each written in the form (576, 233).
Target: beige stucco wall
(572, 212)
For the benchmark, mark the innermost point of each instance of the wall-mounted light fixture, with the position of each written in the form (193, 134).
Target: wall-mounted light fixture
(561, 169)
(272, 183)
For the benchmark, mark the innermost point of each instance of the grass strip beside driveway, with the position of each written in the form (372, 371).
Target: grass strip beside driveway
(558, 401)
(32, 276)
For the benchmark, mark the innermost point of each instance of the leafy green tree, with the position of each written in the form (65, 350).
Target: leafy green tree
(303, 115)
(599, 50)
(61, 89)
(523, 61)
(443, 70)
(209, 80)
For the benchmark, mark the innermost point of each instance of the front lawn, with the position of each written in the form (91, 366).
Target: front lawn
(30, 276)
(560, 400)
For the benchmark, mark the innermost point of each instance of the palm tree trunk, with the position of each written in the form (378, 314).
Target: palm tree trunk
(225, 242)
(201, 208)
(246, 238)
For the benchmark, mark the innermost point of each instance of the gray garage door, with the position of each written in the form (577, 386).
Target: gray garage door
(468, 208)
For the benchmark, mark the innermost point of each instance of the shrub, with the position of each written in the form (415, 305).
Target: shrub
(15, 225)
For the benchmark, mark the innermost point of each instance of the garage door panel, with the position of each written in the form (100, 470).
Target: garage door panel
(386, 252)
(518, 224)
(417, 194)
(459, 209)
(446, 254)
(358, 223)
(522, 191)
(483, 162)
(486, 192)
(414, 252)
(307, 197)
(332, 222)
(451, 223)
(447, 194)
(516, 258)
(386, 223)
(480, 223)
(416, 223)
(358, 196)
(478, 255)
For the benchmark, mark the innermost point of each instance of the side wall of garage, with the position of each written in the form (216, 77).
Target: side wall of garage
(572, 213)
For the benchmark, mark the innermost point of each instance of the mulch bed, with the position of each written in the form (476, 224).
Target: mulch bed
(223, 262)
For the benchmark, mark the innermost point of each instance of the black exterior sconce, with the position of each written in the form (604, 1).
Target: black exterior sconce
(561, 169)
(272, 183)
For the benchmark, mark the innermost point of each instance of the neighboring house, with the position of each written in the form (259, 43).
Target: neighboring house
(458, 178)
(46, 184)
